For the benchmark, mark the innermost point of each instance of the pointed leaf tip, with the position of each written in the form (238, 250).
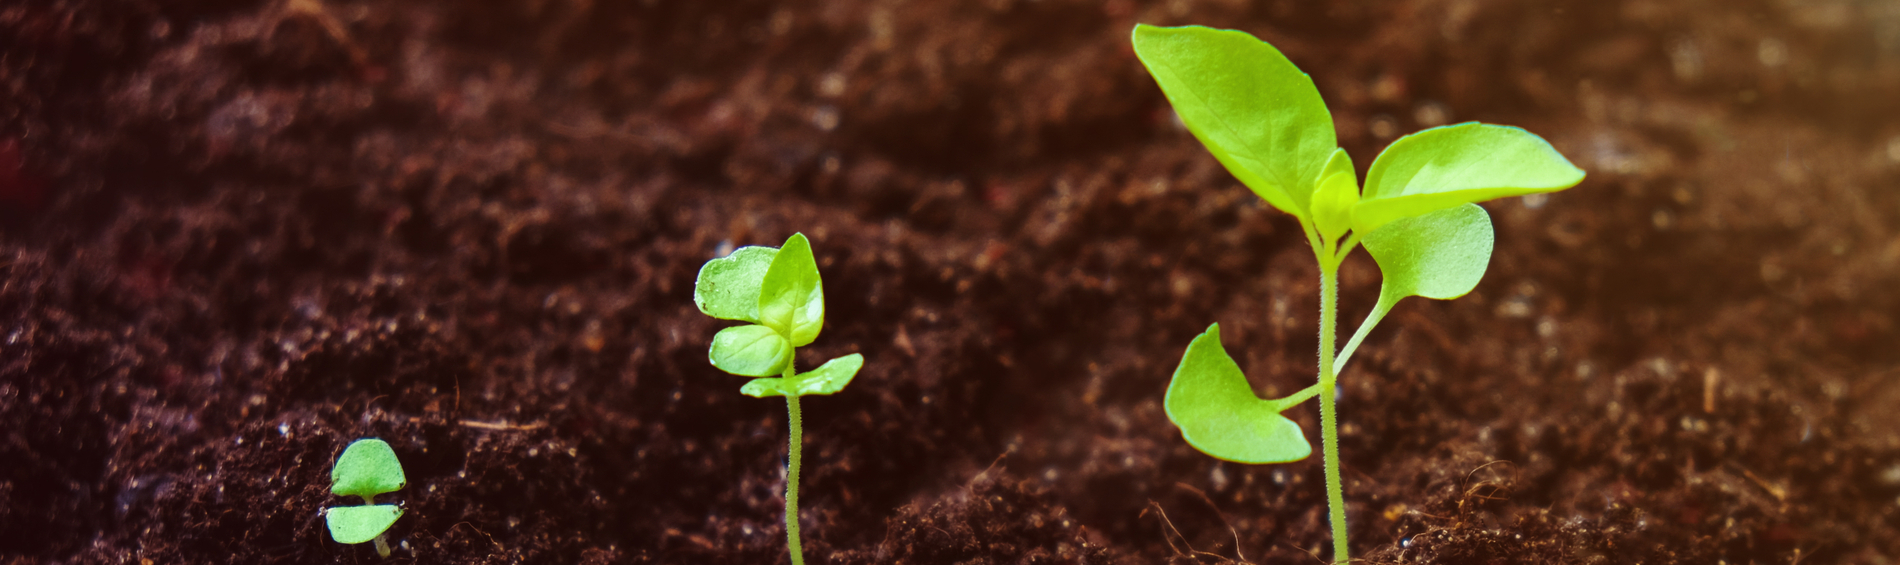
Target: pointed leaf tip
(1445, 166)
(792, 298)
(1252, 108)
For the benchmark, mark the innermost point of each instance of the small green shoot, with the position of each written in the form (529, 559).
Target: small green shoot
(1265, 122)
(368, 467)
(779, 292)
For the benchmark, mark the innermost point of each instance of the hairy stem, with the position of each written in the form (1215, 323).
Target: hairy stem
(1378, 313)
(1328, 412)
(1339, 361)
(1295, 399)
(1346, 247)
(796, 446)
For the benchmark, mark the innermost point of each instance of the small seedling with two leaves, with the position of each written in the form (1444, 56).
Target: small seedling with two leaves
(1264, 121)
(367, 468)
(779, 292)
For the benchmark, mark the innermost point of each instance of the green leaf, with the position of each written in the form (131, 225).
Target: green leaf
(750, 351)
(828, 378)
(1445, 166)
(1253, 109)
(368, 467)
(1338, 163)
(1218, 413)
(358, 524)
(1441, 255)
(1337, 193)
(792, 299)
(728, 287)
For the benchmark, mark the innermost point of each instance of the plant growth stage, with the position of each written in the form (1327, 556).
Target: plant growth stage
(368, 467)
(778, 291)
(1263, 119)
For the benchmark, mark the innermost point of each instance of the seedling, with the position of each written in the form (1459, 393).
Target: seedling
(778, 291)
(1264, 121)
(367, 468)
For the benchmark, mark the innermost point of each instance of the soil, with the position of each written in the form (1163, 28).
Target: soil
(237, 235)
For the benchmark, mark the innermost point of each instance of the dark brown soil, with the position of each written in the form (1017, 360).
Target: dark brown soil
(236, 235)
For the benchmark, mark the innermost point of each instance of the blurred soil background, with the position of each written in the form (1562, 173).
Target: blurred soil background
(237, 235)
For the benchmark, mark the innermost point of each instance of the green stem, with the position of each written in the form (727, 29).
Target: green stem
(1378, 313)
(792, 544)
(1328, 412)
(1295, 399)
(1345, 248)
(1339, 362)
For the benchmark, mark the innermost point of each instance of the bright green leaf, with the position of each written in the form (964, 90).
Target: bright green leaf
(761, 388)
(1338, 163)
(1443, 167)
(728, 287)
(368, 467)
(358, 524)
(1218, 413)
(750, 351)
(1253, 109)
(792, 299)
(828, 378)
(1441, 255)
(1337, 193)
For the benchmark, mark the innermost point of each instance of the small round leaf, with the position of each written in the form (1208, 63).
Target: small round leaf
(358, 524)
(750, 351)
(1439, 255)
(1218, 413)
(728, 287)
(368, 467)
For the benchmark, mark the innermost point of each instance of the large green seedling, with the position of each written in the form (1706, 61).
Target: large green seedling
(1264, 121)
(778, 290)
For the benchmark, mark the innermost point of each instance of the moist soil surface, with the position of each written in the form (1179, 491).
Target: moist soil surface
(237, 235)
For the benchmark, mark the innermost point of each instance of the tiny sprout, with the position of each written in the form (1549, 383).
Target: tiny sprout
(368, 467)
(1264, 121)
(779, 292)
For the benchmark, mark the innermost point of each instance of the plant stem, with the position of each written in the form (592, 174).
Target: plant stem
(1328, 412)
(792, 544)
(1296, 398)
(1378, 313)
